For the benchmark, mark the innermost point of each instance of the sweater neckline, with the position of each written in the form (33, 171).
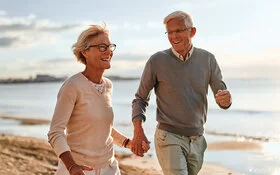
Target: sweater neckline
(180, 61)
(98, 88)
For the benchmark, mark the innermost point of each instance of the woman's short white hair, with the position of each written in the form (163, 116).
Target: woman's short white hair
(84, 39)
(179, 14)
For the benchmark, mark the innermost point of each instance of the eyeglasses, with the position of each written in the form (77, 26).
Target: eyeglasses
(177, 31)
(103, 47)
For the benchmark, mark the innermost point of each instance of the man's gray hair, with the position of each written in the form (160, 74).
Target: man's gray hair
(179, 14)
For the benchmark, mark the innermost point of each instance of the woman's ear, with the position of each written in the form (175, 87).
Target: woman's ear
(84, 53)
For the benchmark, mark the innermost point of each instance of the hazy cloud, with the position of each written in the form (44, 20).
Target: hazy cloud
(2, 13)
(57, 60)
(30, 23)
(8, 41)
(28, 30)
(128, 56)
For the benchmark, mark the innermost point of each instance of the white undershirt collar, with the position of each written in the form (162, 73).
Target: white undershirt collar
(181, 56)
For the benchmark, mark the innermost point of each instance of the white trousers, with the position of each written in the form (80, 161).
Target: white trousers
(112, 169)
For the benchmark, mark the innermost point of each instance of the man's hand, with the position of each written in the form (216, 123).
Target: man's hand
(138, 139)
(223, 98)
(145, 146)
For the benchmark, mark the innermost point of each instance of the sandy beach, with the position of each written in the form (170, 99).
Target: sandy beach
(26, 155)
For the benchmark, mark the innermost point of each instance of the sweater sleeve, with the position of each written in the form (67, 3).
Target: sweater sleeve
(216, 82)
(142, 96)
(65, 104)
(118, 137)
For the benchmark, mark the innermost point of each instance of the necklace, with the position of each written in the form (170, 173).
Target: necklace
(98, 87)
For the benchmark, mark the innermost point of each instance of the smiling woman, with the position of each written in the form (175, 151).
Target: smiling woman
(84, 110)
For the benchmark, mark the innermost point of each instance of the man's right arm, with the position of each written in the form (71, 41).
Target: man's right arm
(139, 105)
(138, 138)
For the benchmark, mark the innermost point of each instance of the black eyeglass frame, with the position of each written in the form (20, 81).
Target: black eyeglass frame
(103, 47)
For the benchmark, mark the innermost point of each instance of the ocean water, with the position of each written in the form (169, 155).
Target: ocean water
(254, 115)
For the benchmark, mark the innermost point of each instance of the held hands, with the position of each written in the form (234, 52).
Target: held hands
(145, 146)
(223, 98)
(140, 143)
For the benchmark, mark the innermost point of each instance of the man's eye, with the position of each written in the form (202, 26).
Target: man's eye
(178, 31)
(102, 47)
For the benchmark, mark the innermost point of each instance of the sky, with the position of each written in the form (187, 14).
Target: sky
(36, 36)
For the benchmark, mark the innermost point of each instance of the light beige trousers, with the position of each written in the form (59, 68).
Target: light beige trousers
(179, 155)
(112, 169)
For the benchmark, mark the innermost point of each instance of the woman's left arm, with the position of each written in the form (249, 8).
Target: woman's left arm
(123, 141)
(119, 139)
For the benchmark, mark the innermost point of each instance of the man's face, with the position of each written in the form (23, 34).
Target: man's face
(180, 35)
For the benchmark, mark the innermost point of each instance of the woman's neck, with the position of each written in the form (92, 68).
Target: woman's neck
(94, 76)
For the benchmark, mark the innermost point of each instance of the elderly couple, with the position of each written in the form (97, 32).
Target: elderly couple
(82, 133)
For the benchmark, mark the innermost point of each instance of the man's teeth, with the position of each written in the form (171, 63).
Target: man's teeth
(105, 59)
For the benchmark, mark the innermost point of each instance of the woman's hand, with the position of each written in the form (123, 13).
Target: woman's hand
(72, 166)
(79, 169)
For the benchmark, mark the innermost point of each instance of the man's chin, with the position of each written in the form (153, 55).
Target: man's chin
(177, 47)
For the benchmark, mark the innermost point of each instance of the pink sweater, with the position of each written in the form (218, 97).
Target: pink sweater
(87, 117)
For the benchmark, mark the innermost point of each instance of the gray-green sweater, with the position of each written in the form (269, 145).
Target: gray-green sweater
(181, 90)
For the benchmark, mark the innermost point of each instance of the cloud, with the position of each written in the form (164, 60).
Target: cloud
(262, 64)
(130, 57)
(8, 41)
(30, 23)
(28, 30)
(253, 71)
(2, 13)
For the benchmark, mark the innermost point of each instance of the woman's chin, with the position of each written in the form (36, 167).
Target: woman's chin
(108, 66)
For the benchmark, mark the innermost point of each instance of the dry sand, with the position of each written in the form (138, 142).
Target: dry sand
(28, 156)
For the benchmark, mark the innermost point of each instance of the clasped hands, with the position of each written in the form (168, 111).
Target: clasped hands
(139, 143)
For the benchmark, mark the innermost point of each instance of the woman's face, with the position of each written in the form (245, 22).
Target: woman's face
(99, 54)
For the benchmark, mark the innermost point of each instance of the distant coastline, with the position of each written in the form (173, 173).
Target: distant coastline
(41, 78)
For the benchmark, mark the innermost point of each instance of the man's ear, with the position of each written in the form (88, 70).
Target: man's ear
(193, 31)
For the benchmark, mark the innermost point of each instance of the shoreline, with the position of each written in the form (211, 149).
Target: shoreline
(28, 155)
(22, 150)
(36, 121)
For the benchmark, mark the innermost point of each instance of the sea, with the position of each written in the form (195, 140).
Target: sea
(254, 116)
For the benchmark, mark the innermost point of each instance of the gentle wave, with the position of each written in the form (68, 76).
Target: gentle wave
(244, 111)
(212, 110)
(217, 133)
(244, 137)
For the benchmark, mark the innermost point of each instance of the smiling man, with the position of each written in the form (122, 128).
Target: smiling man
(180, 77)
